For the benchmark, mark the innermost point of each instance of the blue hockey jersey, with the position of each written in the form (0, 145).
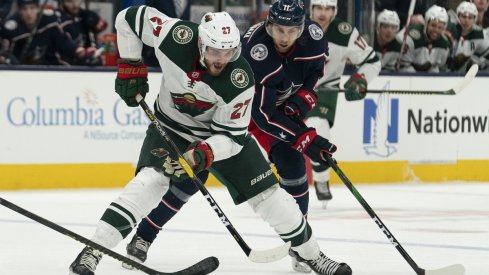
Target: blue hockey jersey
(278, 76)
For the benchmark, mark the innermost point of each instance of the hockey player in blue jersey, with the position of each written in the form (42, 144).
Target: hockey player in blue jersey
(287, 54)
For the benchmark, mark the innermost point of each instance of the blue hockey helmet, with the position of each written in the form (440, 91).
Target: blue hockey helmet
(287, 13)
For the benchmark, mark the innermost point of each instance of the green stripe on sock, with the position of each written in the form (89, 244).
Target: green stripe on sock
(116, 220)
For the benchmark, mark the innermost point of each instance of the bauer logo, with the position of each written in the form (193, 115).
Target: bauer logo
(381, 126)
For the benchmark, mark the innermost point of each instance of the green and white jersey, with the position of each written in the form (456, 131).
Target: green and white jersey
(345, 42)
(388, 54)
(191, 102)
(473, 47)
(422, 55)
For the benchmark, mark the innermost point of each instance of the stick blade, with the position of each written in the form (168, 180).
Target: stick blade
(469, 76)
(456, 269)
(270, 255)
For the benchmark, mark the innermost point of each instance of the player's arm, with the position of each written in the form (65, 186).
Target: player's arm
(140, 24)
(135, 26)
(229, 125)
(364, 56)
(269, 117)
(407, 57)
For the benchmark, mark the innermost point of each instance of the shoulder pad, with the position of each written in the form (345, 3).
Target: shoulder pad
(10, 25)
(48, 12)
(315, 31)
(415, 34)
(259, 52)
(345, 28)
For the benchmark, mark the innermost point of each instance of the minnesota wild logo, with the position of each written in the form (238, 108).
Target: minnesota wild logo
(187, 103)
(182, 34)
(239, 78)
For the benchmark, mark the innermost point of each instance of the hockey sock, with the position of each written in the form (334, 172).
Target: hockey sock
(150, 226)
(300, 193)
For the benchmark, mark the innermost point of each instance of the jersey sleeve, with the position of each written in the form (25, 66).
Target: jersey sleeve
(363, 55)
(229, 126)
(141, 24)
(265, 112)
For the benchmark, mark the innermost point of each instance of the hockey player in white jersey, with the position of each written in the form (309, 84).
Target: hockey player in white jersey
(471, 42)
(427, 47)
(385, 43)
(203, 102)
(345, 43)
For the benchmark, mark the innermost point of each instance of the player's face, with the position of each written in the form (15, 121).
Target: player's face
(434, 29)
(322, 15)
(72, 7)
(481, 4)
(217, 59)
(466, 21)
(387, 32)
(28, 14)
(284, 37)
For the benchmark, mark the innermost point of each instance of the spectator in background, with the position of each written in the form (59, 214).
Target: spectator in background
(82, 26)
(5, 6)
(427, 47)
(402, 8)
(482, 13)
(33, 36)
(385, 42)
(471, 42)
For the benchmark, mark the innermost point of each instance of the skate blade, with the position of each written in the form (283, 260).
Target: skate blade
(324, 204)
(130, 267)
(456, 269)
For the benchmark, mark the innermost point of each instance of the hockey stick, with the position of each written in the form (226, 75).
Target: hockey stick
(406, 29)
(456, 269)
(205, 266)
(264, 256)
(460, 86)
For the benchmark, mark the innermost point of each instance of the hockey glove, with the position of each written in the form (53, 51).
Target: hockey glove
(314, 146)
(173, 170)
(356, 87)
(132, 79)
(198, 155)
(300, 103)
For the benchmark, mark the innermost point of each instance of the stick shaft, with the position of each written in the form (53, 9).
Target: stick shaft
(196, 180)
(373, 215)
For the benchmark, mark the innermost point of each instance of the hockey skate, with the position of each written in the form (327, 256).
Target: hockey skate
(323, 265)
(86, 262)
(300, 266)
(323, 193)
(137, 250)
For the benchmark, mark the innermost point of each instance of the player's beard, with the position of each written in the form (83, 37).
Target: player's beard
(215, 69)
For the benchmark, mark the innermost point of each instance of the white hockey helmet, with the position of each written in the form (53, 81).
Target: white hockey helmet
(326, 3)
(218, 30)
(436, 13)
(388, 17)
(467, 8)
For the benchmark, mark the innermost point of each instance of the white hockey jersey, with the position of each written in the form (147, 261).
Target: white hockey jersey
(345, 42)
(471, 48)
(191, 102)
(422, 55)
